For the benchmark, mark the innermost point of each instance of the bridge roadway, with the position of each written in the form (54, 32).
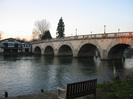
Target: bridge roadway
(105, 46)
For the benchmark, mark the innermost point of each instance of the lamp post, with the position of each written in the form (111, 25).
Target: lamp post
(76, 31)
(91, 33)
(118, 30)
(104, 29)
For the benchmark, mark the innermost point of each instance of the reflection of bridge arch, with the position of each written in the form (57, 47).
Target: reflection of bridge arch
(117, 51)
(65, 50)
(49, 51)
(88, 50)
(37, 50)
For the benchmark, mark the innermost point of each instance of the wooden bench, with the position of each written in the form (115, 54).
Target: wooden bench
(78, 89)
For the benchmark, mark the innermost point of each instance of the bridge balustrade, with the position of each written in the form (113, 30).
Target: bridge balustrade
(90, 36)
(121, 34)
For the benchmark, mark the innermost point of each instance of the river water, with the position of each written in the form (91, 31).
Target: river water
(28, 74)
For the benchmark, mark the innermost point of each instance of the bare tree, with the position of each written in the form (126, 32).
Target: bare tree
(35, 34)
(41, 26)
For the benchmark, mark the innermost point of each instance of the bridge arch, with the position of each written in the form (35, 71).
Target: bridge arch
(65, 50)
(117, 51)
(88, 50)
(49, 51)
(37, 50)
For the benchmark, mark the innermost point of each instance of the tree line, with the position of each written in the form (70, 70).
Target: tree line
(41, 30)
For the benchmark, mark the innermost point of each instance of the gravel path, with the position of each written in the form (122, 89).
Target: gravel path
(40, 96)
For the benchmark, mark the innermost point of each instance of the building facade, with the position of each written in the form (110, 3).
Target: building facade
(14, 46)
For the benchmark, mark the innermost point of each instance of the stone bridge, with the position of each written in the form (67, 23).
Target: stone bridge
(105, 46)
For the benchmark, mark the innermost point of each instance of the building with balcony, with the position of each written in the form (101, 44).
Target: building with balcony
(14, 46)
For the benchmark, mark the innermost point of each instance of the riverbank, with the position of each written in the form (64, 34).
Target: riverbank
(117, 89)
(45, 95)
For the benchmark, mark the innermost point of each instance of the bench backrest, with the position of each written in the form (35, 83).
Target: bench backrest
(79, 89)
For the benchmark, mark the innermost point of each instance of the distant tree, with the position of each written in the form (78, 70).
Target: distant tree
(46, 35)
(41, 29)
(60, 29)
(1, 34)
(21, 39)
(35, 34)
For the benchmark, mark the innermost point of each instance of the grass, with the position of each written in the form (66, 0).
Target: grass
(117, 89)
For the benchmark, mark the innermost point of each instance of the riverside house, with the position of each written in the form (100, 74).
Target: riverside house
(14, 46)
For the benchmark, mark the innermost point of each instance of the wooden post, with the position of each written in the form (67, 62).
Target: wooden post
(42, 90)
(6, 94)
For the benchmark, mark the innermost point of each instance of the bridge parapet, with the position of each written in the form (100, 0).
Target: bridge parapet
(90, 36)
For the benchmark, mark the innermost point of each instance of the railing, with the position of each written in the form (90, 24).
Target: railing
(90, 36)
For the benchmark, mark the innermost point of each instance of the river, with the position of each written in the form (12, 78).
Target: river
(28, 74)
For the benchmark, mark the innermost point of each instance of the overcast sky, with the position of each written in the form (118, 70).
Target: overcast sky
(17, 17)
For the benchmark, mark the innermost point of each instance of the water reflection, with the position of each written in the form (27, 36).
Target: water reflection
(9, 58)
(65, 60)
(86, 61)
(27, 75)
(117, 67)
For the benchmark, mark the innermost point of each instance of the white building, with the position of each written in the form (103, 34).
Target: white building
(13, 46)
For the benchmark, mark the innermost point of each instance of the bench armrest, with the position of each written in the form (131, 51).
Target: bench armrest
(61, 89)
(61, 92)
